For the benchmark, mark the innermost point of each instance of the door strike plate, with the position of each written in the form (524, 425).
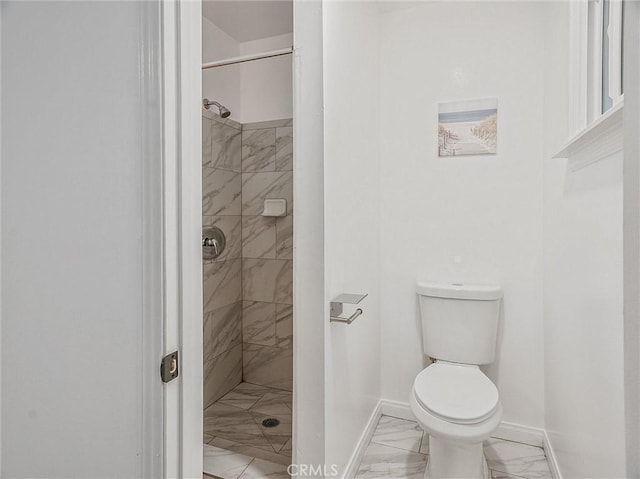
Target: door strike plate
(169, 368)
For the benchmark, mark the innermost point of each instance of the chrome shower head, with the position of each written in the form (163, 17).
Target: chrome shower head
(223, 111)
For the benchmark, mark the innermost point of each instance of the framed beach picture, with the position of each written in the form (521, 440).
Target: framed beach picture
(468, 127)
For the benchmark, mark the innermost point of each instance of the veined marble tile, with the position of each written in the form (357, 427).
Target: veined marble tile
(222, 329)
(239, 399)
(222, 463)
(233, 424)
(231, 226)
(206, 141)
(221, 192)
(268, 280)
(287, 448)
(517, 459)
(503, 475)
(261, 469)
(284, 149)
(258, 237)
(268, 366)
(272, 404)
(398, 433)
(222, 284)
(284, 237)
(284, 325)
(256, 187)
(221, 374)
(259, 125)
(278, 435)
(259, 150)
(424, 445)
(259, 323)
(284, 458)
(226, 144)
(384, 462)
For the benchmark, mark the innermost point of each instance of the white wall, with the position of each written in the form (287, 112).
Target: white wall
(351, 219)
(73, 374)
(221, 84)
(254, 91)
(267, 84)
(583, 322)
(471, 219)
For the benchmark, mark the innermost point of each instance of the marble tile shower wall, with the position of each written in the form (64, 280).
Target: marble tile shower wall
(267, 253)
(248, 312)
(222, 298)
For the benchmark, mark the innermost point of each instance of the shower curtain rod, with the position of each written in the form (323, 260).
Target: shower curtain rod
(248, 58)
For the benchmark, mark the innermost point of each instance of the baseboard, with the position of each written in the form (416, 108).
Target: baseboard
(506, 430)
(397, 409)
(363, 442)
(551, 456)
(519, 433)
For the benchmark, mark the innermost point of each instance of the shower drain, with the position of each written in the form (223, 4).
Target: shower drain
(270, 422)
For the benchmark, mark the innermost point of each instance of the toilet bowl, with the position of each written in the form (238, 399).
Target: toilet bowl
(452, 399)
(458, 407)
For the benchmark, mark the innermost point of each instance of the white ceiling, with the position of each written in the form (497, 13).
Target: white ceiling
(247, 20)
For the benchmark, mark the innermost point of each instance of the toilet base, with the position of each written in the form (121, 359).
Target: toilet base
(455, 460)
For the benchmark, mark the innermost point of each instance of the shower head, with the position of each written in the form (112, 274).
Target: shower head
(222, 110)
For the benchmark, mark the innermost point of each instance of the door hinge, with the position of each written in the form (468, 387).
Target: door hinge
(169, 367)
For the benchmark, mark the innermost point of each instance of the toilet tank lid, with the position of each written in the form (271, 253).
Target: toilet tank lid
(459, 290)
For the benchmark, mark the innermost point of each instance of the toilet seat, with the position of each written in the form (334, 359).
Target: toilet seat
(457, 393)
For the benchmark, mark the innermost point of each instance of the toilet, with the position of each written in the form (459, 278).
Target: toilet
(452, 399)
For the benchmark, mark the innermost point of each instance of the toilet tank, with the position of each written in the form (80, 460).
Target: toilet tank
(459, 321)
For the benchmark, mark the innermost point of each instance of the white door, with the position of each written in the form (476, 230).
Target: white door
(81, 240)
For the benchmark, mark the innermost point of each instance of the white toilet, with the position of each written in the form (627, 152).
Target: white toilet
(453, 401)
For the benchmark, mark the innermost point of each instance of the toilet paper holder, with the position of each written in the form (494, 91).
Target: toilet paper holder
(337, 304)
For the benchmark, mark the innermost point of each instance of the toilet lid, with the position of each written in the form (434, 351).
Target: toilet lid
(457, 393)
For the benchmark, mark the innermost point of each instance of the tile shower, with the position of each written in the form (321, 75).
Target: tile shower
(248, 306)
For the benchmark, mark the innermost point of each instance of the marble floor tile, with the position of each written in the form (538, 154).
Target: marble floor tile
(516, 459)
(388, 462)
(399, 433)
(424, 445)
(273, 404)
(239, 399)
(283, 458)
(234, 424)
(277, 436)
(261, 469)
(222, 463)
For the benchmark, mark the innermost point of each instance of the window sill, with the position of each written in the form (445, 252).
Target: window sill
(599, 140)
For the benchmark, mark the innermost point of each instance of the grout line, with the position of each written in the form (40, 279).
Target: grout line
(517, 442)
(247, 467)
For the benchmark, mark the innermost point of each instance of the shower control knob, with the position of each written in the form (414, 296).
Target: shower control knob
(213, 242)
